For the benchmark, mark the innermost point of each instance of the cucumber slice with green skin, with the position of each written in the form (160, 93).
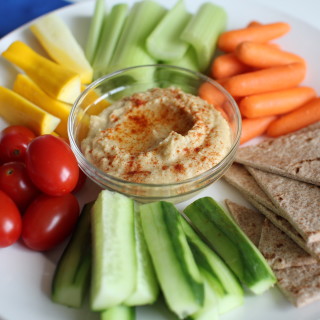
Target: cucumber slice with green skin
(147, 287)
(210, 309)
(119, 312)
(113, 247)
(231, 243)
(72, 275)
(219, 278)
(177, 272)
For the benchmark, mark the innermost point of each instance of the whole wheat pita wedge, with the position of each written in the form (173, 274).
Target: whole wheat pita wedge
(250, 221)
(296, 201)
(254, 195)
(239, 177)
(312, 248)
(301, 285)
(279, 250)
(296, 155)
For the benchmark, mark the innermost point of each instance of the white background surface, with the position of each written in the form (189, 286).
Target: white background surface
(25, 276)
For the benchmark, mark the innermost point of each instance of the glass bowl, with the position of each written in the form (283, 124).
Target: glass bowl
(123, 83)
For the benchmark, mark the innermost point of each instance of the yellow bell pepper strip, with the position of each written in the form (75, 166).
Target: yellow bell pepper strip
(57, 81)
(60, 44)
(17, 110)
(27, 88)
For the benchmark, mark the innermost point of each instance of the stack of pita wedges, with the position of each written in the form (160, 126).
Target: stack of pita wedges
(280, 177)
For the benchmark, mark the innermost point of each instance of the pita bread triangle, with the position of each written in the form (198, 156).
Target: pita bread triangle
(296, 201)
(299, 284)
(296, 155)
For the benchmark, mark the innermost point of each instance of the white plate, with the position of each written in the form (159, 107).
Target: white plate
(25, 276)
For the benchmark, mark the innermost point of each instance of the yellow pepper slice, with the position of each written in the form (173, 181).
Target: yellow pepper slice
(60, 44)
(27, 88)
(57, 81)
(17, 110)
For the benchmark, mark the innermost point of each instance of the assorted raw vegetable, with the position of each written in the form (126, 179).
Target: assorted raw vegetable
(265, 80)
(38, 176)
(121, 253)
(141, 252)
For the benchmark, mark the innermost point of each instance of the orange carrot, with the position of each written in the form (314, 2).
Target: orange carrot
(252, 128)
(211, 94)
(227, 65)
(266, 80)
(264, 55)
(276, 102)
(254, 23)
(297, 119)
(229, 40)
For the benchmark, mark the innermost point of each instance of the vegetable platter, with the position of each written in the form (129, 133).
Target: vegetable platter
(25, 275)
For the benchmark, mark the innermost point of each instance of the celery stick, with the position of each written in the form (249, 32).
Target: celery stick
(203, 30)
(164, 43)
(130, 50)
(188, 61)
(95, 29)
(110, 33)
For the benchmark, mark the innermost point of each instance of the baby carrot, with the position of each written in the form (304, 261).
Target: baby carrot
(229, 40)
(252, 128)
(276, 102)
(211, 94)
(265, 80)
(297, 119)
(254, 23)
(227, 65)
(264, 55)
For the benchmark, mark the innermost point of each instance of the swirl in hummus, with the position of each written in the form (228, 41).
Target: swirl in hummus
(157, 136)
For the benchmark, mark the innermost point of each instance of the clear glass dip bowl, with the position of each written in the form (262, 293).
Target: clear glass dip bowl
(125, 82)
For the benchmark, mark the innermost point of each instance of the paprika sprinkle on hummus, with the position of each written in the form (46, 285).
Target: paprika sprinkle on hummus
(162, 135)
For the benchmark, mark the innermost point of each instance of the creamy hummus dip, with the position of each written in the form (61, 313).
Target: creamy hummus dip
(157, 136)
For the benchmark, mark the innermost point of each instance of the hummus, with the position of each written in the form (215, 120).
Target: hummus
(157, 136)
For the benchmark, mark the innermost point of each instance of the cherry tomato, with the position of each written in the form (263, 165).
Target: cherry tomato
(10, 221)
(49, 220)
(51, 165)
(15, 182)
(14, 141)
(81, 181)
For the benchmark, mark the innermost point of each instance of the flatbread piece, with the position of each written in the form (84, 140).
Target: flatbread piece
(296, 155)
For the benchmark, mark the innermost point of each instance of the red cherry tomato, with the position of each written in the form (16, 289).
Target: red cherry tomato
(10, 221)
(14, 141)
(49, 220)
(81, 181)
(15, 182)
(51, 165)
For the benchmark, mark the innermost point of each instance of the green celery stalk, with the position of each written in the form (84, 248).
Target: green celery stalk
(130, 50)
(110, 33)
(95, 29)
(164, 43)
(188, 61)
(203, 30)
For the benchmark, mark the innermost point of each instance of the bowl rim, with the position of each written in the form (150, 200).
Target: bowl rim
(202, 176)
